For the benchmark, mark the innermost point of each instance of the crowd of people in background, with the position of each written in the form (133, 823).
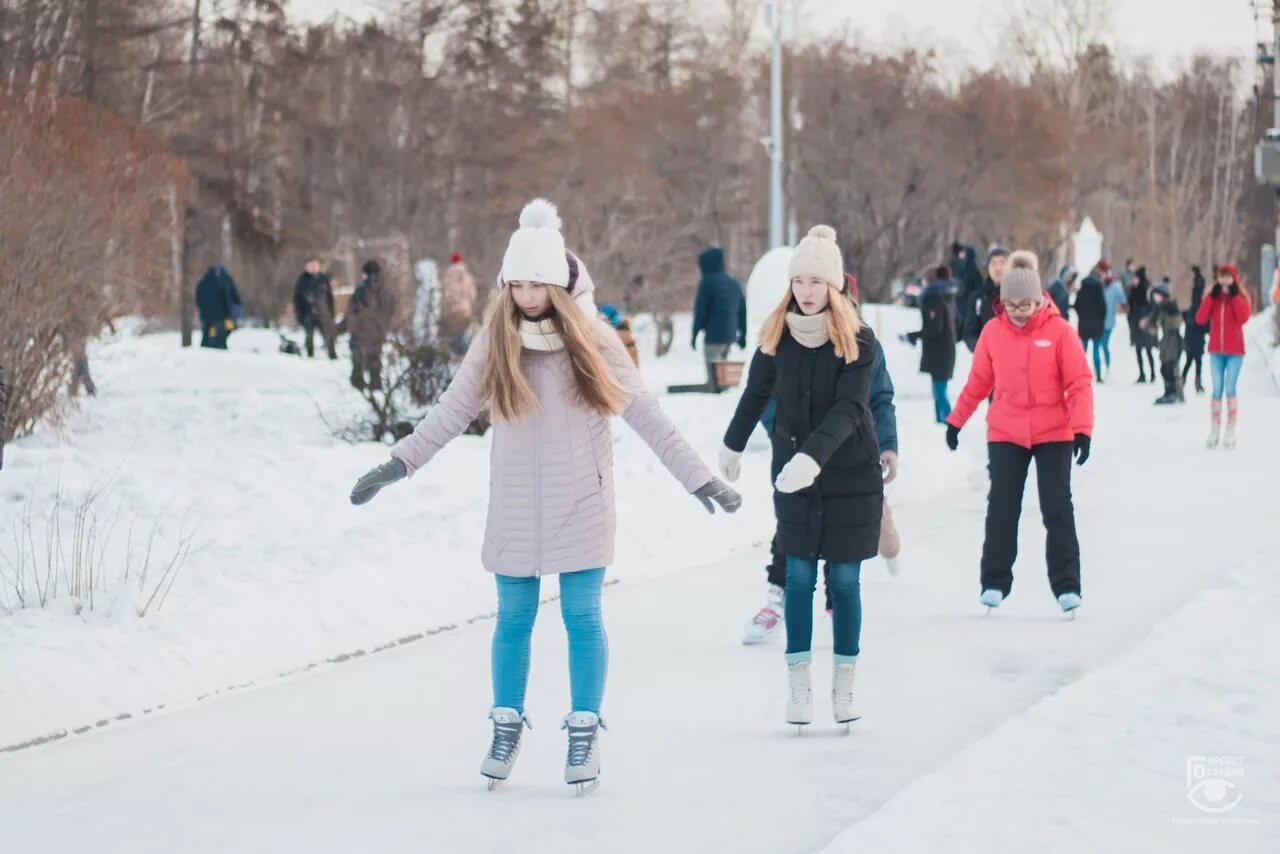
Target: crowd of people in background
(959, 301)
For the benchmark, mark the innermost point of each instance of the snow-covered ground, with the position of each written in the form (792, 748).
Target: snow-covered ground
(1015, 732)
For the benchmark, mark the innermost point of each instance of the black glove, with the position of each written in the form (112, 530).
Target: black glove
(742, 343)
(695, 343)
(384, 475)
(953, 436)
(1234, 290)
(716, 490)
(1081, 449)
(1216, 292)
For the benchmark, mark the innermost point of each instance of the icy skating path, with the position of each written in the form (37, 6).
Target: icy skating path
(964, 714)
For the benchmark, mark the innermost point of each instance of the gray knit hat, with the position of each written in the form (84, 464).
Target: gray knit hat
(1022, 282)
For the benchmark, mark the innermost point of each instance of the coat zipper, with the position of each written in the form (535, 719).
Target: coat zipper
(537, 502)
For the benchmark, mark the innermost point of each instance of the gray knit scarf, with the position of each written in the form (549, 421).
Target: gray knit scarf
(809, 330)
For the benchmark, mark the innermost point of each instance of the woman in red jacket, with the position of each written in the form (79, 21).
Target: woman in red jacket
(1226, 310)
(1030, 363)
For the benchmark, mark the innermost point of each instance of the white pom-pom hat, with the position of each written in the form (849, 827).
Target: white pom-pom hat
(818, 255)
(536, 250)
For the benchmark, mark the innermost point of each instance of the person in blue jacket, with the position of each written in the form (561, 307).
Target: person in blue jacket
(719, 310)
(768, 620)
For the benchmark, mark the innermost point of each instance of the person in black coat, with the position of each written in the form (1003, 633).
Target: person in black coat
(719, 310)
(313, 307)
(1143, 341)
(214, 302)
(369, 318)
(1195, 333)
(968, 278)
(817, 359)
(983, 308)
(1091, 317)
(938, 332)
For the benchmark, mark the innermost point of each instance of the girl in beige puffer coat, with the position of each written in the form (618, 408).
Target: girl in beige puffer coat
(552, 373)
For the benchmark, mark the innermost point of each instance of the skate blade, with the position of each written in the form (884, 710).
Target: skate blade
(492, 783)
(586, 787)
(991, 609)
(846, 724)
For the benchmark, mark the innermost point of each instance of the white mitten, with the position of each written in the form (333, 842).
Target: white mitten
(798, 474)
(730, 464)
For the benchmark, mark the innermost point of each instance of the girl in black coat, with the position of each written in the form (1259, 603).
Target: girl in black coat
(1195, 334)
(1139, 309)
(938, 331)
(1091, 317)
(816, 358)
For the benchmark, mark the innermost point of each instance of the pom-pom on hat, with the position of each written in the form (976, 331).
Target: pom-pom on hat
(1022, 282)
(536, 250)
(818, 255)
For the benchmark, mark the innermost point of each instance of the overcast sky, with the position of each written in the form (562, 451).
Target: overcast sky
(966, 29)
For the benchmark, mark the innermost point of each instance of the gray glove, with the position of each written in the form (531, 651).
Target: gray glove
(384, 475)
(716, 490)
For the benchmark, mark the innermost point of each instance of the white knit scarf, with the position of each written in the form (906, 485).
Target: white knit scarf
(809, 330)
(540, 336)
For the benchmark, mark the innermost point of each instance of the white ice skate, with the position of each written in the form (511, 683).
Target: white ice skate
(582, 767)
(508, 726)
(1229, 435)
(1068, 602)
(991, 598)
(767, 621)
(800, 701)
(842, 693)
(1214, 427)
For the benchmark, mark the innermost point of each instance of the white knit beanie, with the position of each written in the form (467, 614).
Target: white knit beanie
(536, 251)
(818, 255)
(1022, 282)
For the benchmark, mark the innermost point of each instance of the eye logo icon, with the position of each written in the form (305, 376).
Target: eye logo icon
(1209, 787)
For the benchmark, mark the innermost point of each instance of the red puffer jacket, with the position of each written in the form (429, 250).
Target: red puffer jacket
(1037, 377)
(1226, 315)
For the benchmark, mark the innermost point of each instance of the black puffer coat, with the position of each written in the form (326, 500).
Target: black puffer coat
(823, 411)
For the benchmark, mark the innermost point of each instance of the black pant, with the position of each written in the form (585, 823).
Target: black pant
(1169, 371)
(310, 325)
(1151, 358)
(1009, 464)
(1196, 361)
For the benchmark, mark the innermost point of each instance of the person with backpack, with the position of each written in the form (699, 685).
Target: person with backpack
(719, 311)
(817, 357)
(1225, 311)
(553, 374)
(1196, 333)
(313, 307)
(1030, 363)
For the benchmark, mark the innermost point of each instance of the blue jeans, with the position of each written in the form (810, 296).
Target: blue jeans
(941, 406)
(846, 608)
(1225, 371)
(588, 644)
(1105, 340)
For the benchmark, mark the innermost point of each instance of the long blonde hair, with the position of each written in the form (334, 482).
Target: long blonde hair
(843, 324)
(506, 387)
